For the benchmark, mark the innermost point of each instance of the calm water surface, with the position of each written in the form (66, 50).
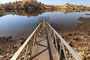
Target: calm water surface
(21, 26)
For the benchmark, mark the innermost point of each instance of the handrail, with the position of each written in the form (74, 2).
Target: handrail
(15, 56)
(75, 55)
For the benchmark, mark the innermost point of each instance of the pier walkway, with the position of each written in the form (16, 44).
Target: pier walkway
(45, 44)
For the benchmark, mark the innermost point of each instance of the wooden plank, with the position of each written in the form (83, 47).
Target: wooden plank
(41, 51)
(53, 50)
(45, 49)
(54, 53)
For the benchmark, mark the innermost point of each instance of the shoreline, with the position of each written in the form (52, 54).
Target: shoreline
(9, 47)
(80, 38)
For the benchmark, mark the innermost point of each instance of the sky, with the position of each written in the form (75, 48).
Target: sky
(7, 1)
(57, 2)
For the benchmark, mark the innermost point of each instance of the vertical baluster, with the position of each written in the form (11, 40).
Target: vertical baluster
(64, 52)
(34, 40)
(30, 54)
(48, 27)
(60, 50)
(31, 47)
(55, 41)
(37, 34)
(51, 31)
(25, 57)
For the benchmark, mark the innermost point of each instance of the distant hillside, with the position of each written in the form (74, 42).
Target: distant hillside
(70, 6)
(33, 5)
(21, 5)
(26, 1)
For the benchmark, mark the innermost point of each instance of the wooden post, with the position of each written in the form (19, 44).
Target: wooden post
(25, 57)
(55, 41)
(60, 50)
(64, 52)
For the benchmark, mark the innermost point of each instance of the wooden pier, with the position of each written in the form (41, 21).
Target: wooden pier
(45, 44)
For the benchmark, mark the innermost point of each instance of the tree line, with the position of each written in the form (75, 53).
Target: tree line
(32, 5)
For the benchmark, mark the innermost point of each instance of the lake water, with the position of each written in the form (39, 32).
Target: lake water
(20, 26)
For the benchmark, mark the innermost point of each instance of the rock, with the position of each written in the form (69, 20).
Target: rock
(1, 56)
(22, 42)
(75, 48)
(71, 44)
(85, 39)
(0, 49)
(9, 37)
(87, 48)
(75, 33)
(8, 50)
(7, 54)
(82, 37)
(83, 55)
(10, 55)
(22, 39)
(89, 55)
(75, 38)
(70, 34)
(29, 56)
(15, 46)
(63, 36)
(70, 59)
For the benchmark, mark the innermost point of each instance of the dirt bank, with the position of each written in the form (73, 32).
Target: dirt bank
(8, 47)
(80, 38)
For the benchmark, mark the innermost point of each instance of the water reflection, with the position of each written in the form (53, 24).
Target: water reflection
(19, 26)
(35, 13)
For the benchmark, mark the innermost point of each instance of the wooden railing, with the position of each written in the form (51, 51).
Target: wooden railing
(27, 47)
(62, 45)
(26, 50)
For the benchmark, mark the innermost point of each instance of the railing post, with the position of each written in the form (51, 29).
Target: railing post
(55, 41)
(31, 49)
(25, 45)
(74, 54)
(51, 31)
(60, 50)
(25, 57)
(37, 35)
(34, 40)
(64, 52)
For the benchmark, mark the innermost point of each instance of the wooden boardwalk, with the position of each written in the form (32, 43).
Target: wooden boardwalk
(44, 49)
(45, 44)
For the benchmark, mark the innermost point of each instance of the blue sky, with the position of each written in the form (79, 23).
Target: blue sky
(60, 2)
(7, 1)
